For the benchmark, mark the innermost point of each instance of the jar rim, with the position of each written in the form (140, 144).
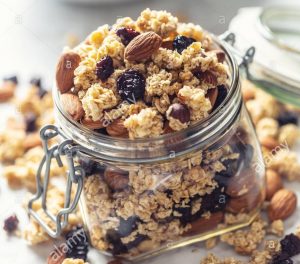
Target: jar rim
(154, 149)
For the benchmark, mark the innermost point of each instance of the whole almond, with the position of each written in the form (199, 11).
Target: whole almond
(57, 256)
(283, 204)
(32, 140)
(72, 105)
(269, 142)
(205, 224)
(89, 123)
(67, 63)
(246, 202)
(143, 46)
(241, 183)
(7, 91)
(117, 129)
(212, 95)
(116, 179)
(273, 183)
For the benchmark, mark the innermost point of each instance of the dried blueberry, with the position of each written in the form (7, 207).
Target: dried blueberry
(288, 117)
(180, 43)
(114, 238)
(127, 34)
(13, 79)
(77, 242)
(104, 68)
(127, 226)
(222, 94)
(131, 85)
(185, 213)
(11, 224)
(30, 121)
(290, 244)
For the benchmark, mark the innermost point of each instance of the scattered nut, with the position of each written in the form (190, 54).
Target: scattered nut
(273, 183)
(32, 140)
(116, 179)
(269, 142)
(72, 105)
(117, 129)
(57, 256)
(143, 46)
(283, 204)
(7, 91)
(67, 63)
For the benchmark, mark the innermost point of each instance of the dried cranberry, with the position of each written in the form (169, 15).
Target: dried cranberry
(127, 34)
(77, 242)
(180, 43)
(131, 85)
(104, 68)
(11, 224)
(288, 117)
(30, 121)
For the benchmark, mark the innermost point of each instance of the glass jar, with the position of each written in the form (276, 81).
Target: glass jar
(143, 197)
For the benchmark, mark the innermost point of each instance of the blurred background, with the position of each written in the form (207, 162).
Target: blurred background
(33, 32)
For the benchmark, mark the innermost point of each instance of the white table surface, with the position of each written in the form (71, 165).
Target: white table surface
(32, 34)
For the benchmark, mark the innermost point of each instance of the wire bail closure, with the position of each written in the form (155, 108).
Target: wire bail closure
(75, 175)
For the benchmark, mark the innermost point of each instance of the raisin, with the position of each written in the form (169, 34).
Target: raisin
(214, 202)
(36, 82)
(185, 213)
(180, 43)
(13, 79)
(281, 258)
(114, 238)
(131, 85)
(127, 34)
(11, 224)
(288, 117)
(90, 166)
(30, 121)
(104, 68)
(127, 226)
(290, 244)
(77, 242)
(222, 94)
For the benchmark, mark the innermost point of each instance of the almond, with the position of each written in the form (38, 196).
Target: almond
(89, 123)
(57, 256)
(247, 202)
(269, 143)
(116, 179)
(241, 183)
(32, 140)
(283, 204)
(7, 91)
(273, 183)
(212, 95)
(143, 46)
(72, 105)
(117, 129)
(205, 224)
(67, 63)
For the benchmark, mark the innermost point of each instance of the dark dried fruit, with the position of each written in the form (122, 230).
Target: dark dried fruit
(127, 226)
(13, 79)
(90, 166)
(287, 117)
(281, 258)
(220, 55)
(30, 121)
(222, 94)
(11, 224)
(104, 68)
(214, 202)
(77, 242)
(180, 112)
(127, 34)
(131, 86)
(290, 244)
(36, 82)
(114, 238)
(180, 43)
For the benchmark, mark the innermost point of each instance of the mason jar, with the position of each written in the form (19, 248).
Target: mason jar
(142, 197)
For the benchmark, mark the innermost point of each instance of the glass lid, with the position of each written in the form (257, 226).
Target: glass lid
(275, 34)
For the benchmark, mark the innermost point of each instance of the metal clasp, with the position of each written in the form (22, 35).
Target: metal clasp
(75, 175)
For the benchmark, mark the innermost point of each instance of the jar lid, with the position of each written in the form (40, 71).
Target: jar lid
(274, 32)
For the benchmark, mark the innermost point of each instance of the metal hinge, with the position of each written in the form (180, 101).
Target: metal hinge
(75, 175)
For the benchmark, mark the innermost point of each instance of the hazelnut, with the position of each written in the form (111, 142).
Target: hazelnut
(116, 179)
(274, 183)
(180, 112)
(282, 205)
